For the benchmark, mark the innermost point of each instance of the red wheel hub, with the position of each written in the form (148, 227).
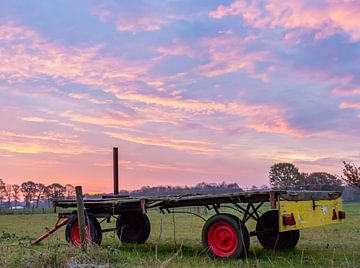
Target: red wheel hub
(75, 234)
(222, 239)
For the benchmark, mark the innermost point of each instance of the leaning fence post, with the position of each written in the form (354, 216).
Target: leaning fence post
(81, 216)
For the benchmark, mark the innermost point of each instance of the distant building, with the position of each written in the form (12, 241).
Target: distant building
(17, 207)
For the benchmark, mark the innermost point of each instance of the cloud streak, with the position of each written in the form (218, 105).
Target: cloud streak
(262, 118)
(48, 143)
(195, 146)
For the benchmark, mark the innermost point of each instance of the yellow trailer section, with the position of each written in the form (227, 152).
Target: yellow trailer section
(298, 214)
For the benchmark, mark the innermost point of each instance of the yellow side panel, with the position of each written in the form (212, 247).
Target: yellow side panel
(309, 213)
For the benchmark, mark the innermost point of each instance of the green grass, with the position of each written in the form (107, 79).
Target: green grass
(329, 246)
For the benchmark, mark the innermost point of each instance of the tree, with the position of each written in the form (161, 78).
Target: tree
(39, 193)
(56, 190)
(351, 175)
(70, 191)
(47, 194)
(2, 189)
(323, 181)
(284, 176)
(8, 191)
(28, 189)
(16, 193)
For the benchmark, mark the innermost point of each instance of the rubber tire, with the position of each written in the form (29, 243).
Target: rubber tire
(95, 229)
(269, 235)
(133, 227)
(241, 232)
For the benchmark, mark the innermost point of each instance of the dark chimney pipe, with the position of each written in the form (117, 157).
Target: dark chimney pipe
(116, 171)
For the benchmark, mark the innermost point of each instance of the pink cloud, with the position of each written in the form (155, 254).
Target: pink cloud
(26, 54)
(226, 53)
(139, 25)
(178, 48)
(325, 17)
(229, 53)
(260, 117)
(102, 13)
(324, 76)
(142, 21)
(350, 105)
(86, 97)
(115, 119)
(346, 91)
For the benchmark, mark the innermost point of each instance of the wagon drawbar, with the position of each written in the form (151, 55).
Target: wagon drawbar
(224, 235)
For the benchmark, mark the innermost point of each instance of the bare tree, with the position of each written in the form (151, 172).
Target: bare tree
(8, 191)
(2, 190)
(16, 193)
(351, 175)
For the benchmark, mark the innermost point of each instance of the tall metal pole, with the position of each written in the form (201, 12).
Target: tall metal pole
(116, 170)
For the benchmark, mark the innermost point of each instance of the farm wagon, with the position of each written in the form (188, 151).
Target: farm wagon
(224, 235)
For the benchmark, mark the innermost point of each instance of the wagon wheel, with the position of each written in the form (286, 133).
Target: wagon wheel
(225, 236)
(133, 227)
(92, 230)
(268, 234)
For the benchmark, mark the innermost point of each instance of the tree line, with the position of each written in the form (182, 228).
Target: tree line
(288, 176)
(281, 176)
(33, 193)
(200, 188)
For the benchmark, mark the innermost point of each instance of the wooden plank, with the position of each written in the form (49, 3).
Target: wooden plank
(81, 216)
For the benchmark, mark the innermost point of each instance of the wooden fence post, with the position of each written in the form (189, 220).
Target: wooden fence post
(81, 216)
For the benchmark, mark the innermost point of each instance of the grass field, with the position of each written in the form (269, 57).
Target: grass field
(329, 246)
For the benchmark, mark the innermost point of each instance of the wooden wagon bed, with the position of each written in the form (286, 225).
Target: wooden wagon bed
(115, 205)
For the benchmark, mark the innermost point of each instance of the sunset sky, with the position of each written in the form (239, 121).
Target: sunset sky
(188, 90)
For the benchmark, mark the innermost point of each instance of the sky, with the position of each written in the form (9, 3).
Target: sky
(189, 91)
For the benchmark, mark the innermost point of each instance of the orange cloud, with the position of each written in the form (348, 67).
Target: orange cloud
(101, 120)
(325, 17)
(51, 136)
(48, 143)
(38, 119)
(196, 146)
(174, 103)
